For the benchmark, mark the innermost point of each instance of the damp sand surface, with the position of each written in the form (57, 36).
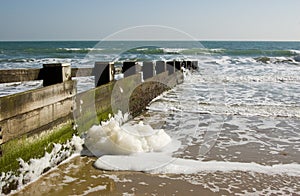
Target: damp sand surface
(79, 177)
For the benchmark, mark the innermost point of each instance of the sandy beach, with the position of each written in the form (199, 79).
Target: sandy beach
(78, 177)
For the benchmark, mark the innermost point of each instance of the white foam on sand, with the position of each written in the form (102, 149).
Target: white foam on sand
(138, 147)
(164, 164)
(115, 137)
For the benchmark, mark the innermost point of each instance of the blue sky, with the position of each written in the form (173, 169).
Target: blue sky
(202, 19)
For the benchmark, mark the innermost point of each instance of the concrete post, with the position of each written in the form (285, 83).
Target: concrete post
(56, 73)
(104, 73)
(170, 67)
(148, 70)
(130, 68)
(160, 67)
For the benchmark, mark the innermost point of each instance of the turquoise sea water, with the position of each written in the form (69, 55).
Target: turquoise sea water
(84, 53)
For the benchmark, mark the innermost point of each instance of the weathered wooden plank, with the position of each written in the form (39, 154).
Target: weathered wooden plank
(82, 72)
(19, 103)
(21, 75)
(27, 111)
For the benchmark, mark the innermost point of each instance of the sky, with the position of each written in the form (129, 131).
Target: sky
(277, 20)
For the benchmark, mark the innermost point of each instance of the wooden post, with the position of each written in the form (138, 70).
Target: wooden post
(187, 64)
(56, 73)
(194, 64)
(160, 67)
(184, 64)
(1, 139)
(178, 65)
(171, 67)
(130, 68)
(104, 73)
(148, 70)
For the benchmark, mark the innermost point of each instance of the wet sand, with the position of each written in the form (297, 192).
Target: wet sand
(78, 177)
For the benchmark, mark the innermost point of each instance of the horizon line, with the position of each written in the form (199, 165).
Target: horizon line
(93, 40)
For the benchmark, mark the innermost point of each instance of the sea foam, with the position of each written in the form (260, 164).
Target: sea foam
(116, 137)
(188, 166)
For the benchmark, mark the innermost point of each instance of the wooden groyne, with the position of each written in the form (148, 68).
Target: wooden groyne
(31, 121)
(50, 111)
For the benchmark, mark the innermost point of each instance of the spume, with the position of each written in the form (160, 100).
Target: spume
(115, 137)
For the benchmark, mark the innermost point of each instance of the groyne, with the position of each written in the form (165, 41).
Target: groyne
(31, 121)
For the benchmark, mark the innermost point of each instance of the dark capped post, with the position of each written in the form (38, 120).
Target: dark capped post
(170, 67)
(55, 73)
(104, 72)
(130, 68)
(160, 67)
(178, 65)
(148, 70)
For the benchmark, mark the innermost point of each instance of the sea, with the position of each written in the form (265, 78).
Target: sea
(234, 122)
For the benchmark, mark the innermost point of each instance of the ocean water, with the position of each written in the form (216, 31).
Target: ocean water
(234, 123)
(83, 53)
(277, 61)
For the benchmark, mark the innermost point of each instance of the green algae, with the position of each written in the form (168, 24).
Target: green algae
(32, 147)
